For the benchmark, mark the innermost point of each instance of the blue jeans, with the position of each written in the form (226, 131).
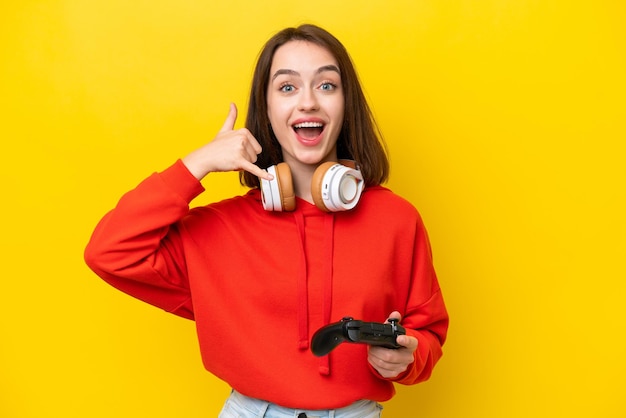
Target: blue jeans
(240, 406)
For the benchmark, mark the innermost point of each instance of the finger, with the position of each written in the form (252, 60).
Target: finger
(229, 123)
(252, 148)
(407, 341)
(254, 169)
(252, 143)
(390, 356)
(387, 365)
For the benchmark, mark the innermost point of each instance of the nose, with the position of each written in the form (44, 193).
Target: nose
(308, 100)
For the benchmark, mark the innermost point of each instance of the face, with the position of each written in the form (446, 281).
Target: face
(305, 103)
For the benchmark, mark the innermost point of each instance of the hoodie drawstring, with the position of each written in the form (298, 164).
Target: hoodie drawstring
(302, 285)
(303, 299)
(329, 228)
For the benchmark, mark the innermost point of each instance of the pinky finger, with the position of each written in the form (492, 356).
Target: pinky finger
(254, 169)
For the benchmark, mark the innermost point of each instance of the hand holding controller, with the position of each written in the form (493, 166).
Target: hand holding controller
(350, 330)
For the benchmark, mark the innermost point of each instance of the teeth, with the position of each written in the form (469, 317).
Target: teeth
(308, 125)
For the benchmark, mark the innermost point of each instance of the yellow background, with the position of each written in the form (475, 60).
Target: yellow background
(505, 123)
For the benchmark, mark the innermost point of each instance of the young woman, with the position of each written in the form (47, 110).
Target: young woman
(316, 239)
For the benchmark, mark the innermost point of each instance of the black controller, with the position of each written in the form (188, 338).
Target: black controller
(350, 330)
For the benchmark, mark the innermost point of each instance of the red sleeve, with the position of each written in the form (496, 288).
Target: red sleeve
(426, 317)
(430, 336)
(137, 246)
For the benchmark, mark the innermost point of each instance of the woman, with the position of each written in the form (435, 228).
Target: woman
(305, 247)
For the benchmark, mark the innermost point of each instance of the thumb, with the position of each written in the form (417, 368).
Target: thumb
(394, 314)
(229, 123)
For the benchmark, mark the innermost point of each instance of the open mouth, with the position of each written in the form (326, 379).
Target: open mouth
(309, 130)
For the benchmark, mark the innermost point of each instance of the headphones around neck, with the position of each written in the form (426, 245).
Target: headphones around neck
(335, 187)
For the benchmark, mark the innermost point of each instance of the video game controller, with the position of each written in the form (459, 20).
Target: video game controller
(327, 338)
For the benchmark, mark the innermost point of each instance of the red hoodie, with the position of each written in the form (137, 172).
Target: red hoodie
(259, 284)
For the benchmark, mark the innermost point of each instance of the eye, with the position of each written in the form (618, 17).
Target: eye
(287, 88)
(328, 86)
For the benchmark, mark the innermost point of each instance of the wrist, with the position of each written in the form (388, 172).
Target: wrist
(196, 166)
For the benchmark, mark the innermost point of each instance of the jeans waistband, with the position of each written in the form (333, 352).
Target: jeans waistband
(241, 406)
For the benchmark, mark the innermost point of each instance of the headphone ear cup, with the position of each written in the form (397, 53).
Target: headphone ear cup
(287, 197)
(278, 194)
(317, 184)
(336, 187)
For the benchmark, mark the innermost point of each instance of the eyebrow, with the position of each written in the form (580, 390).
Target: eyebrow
(320, 70)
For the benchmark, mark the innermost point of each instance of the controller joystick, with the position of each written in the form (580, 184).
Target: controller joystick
(327, 338)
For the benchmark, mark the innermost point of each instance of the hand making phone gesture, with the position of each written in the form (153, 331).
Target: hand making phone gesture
(230, 150)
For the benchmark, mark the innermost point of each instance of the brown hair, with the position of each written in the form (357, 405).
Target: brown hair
(359, 139)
